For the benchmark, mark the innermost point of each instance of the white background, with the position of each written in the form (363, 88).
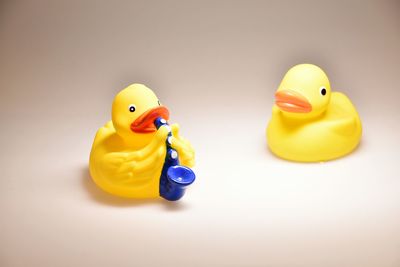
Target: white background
(216, 65)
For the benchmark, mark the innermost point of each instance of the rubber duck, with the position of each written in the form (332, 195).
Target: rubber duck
(309, 122)
(133, 157)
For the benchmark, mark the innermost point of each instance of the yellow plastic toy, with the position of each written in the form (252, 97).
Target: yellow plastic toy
(309, 122)
(136, 154)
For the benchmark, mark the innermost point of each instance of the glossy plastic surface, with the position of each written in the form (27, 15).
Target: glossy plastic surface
(129, 153)
(174, 177)
(309, 122)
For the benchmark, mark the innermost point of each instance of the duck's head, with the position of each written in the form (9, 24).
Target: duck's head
(133, 113)
(304, 92)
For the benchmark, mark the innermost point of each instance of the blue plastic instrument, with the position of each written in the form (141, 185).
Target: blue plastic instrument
(174, 177)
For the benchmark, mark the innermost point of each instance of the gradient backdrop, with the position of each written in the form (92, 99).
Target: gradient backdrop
(216, 64)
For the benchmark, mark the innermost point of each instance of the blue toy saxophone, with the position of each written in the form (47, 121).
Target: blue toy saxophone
(174, 178)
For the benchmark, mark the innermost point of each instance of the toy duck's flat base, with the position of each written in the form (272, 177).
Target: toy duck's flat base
(302, 159)
(334, 134)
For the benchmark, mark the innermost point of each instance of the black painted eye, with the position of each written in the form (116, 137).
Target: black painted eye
(159, 102)
(132, 108)
(323, 91)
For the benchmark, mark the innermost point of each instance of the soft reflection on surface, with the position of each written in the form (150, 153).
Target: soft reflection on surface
(105, 198)
(216, 65)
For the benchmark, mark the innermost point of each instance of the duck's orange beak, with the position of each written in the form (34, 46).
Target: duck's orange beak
(291, 101)
(145, 122)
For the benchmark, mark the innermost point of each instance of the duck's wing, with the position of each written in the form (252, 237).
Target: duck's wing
(183, 146)
(342, 126)
(137, 164)
(123, 167)
(342, 117)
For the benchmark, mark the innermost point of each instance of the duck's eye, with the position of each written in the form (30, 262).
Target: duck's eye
(132, 108)
(323, 91)
(159, 102)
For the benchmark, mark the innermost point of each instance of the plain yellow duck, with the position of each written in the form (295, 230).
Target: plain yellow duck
(128, 152)
(309, 122)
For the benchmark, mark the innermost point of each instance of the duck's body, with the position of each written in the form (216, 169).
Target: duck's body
(112, 166)
(332, 135)
(331, 132)
(128, 153)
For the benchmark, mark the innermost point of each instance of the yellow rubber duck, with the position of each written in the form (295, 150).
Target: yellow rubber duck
(128, 152)
(309, 122)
